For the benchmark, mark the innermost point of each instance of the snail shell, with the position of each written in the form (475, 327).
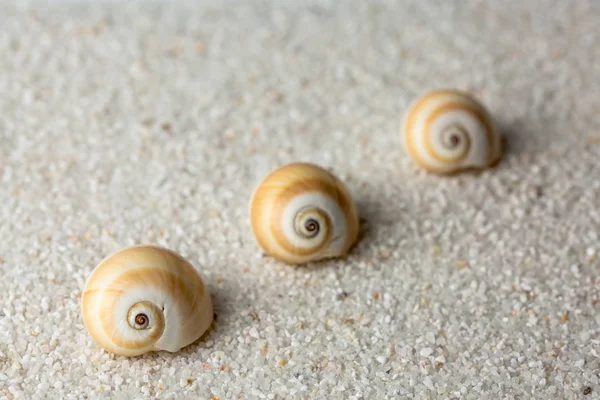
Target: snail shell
(447, 131)
(145, 298)
(301, 213)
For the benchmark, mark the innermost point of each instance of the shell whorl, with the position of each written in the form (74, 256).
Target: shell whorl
(301, 212)
(447, 131)
(145, 298)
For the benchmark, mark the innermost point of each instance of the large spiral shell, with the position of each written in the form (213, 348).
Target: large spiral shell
(301, 213)
(447, 131)
(145, 298)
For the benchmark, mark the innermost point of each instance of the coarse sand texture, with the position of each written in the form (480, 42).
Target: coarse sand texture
(126, 123)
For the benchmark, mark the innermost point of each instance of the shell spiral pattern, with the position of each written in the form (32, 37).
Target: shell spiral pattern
(145, 298)
(301, 212)
(447, 131)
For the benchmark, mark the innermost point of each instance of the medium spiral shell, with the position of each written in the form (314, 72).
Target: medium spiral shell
(301, 213)
(447, 131)
(145, 298)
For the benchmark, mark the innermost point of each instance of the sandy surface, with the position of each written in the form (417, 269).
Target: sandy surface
(149, 124)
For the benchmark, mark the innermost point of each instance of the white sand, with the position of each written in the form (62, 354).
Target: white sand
(128, 124)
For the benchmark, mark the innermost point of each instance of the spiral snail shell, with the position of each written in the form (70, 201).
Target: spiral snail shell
(301, 212)
(447, 131)
(145, 298)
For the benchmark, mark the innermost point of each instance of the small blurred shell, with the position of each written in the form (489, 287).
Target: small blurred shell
(301, 213)
(145, 298)
(448, 131)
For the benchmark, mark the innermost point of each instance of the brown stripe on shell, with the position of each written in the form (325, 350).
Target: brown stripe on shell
(291, 180)
(150, 267)
(295, 189)
(149, 279)
(435, 114)
(409, 127)
(475, 107)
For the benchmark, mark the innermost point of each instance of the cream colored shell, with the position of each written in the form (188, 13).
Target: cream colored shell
(447, 131)
(301, 213)
(145, 298)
